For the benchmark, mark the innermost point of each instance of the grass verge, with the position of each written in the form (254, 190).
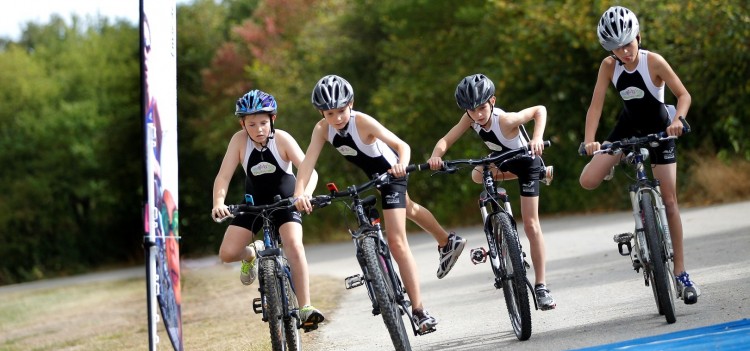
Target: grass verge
(216, 314)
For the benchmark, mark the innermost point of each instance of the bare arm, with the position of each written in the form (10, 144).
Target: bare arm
(444, 143)
(594, 113)
(306, 168)
(292, 152)
(373, 129)
(664, 71)
(232, 158)
(511, 121)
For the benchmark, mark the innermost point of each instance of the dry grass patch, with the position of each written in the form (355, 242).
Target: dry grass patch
(217, 314)
(712, 181)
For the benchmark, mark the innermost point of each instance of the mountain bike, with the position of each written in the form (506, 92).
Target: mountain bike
(277, 302)
(380, 278)
(652, 242)
(506, 256)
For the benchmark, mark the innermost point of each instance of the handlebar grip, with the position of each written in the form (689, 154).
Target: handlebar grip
(417, 167)
(547, 143)
(685, 126)
(582, 149)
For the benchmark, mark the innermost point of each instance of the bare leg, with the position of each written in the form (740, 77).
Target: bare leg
(424, 218)
(234, 247)
(667, 176)
(291, 236)
(395, 222)
(598, 168)
(533, 230)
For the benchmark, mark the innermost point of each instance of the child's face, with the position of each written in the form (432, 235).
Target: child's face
(338, 118)
(627, 53)
(481, 114)
(258, 126)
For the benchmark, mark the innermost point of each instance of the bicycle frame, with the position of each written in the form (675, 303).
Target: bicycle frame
(275, 254)
(653, 242)
(368, 226)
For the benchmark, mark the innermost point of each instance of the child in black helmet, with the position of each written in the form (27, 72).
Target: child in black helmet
(363, 141)
(500, 131)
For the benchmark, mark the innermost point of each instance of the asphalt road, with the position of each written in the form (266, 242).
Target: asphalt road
(600, 299)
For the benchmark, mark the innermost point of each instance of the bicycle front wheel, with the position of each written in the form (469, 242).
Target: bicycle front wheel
(272, 306)
(378, 277)
(513, 274)
(659, 276)
(290, 321)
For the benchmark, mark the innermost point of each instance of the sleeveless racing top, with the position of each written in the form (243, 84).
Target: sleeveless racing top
(267, 174)
(644, 106)
(371, 158)
(494, 138)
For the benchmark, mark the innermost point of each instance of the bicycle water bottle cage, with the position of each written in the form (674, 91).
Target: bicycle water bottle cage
(249, 199)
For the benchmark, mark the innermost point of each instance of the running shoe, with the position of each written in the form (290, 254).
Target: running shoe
(449, 254)
(687, 289)
(310, 317)
(249, 269)
(548, 175)
(423, 320)
(543, 298)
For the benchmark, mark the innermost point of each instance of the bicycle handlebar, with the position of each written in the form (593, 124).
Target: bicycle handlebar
(286, 203)
(635, 141)
(448, 165)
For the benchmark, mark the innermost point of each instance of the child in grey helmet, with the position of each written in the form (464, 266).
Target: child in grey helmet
(639, 77)
(501, 131)
(366, 143)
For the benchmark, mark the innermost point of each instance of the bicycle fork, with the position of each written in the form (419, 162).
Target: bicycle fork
(624, 240)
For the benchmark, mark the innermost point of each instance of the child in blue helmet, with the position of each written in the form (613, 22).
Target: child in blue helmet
(267, 155)
(639, 77)
(501, 131)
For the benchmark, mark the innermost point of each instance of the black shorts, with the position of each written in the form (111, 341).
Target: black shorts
(254, 223)
(393, 194)
(663, 154)
(529, 171)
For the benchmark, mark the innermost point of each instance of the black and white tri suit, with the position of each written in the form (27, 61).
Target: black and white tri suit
(373, 158)
(527, 169)
(267, 175)
(644, 111)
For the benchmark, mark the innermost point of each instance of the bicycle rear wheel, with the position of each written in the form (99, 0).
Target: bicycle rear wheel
(513, 274)
(272, 307)
(290, 321)
(377, 275)
(659, 276)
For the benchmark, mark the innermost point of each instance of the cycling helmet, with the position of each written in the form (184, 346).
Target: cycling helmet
(474, 90)
(332, 92)
(617, 27)
(255, 101)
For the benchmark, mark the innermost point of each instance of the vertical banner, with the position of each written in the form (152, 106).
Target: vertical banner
(159, 112)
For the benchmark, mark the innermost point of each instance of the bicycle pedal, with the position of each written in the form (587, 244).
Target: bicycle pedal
(309, 327)
(623, 243)
(420, 332)
(478, 255)
(257, 305)
(354, 281)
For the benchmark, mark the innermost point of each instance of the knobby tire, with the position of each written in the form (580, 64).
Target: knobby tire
(659, 275)
(293, 341)
(273, 306)
(515, 290)
(384, 294)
